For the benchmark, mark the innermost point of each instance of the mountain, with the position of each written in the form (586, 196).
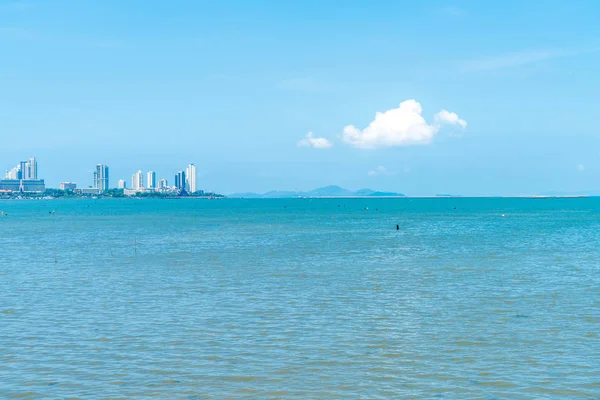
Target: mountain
(364, 192)
(327, 191)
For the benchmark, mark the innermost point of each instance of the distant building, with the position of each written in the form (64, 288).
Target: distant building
(32, 168)
(162, 184)
(23, 170)
(180, 180)
(13, 174)
(190, 181)
(122, 184)
(22, 185)
(68, 186)
(151, 180)
(137, 181)
(23, 178)
(89, 191)
(130, 192)
(101, 178)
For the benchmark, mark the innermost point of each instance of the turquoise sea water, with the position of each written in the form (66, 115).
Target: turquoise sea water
(197, 299)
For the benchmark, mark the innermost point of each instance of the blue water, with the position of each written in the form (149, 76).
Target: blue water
(194, 299)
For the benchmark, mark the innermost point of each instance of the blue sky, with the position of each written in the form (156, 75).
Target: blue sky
(235, 86)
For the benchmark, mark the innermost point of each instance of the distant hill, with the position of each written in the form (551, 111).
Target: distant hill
(327, 191)
(330, 191)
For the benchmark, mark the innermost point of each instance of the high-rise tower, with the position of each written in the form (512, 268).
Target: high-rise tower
(137, 181)
(151, 180)
(101, 177)
(32, 168)
(190, 175)
(180, 180)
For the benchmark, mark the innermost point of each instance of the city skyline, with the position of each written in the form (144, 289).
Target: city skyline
(184, 180)
(23, 178)
(474, 105)
(27, 172)
(23, 170)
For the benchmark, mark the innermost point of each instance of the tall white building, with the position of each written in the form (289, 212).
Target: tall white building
(12, 174)
(190, 179)
(151, 180)
(32, 168)
(162, 183)
(137, 181)
(122, 184)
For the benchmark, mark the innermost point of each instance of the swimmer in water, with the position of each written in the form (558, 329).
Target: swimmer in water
(397, 227)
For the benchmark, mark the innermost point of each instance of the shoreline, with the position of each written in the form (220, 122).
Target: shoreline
(298, 198)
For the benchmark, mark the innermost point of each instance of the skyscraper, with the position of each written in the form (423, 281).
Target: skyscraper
(151, 180)
(32, 168)
(23, 169)
(190, 174)
(101, 177)
(137, 181)
(162, 183)
(122, 184)
(180, 180)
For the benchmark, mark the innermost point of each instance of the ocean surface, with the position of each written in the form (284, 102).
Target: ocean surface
(198, 299)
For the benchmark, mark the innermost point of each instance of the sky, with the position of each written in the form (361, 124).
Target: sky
(421, 98)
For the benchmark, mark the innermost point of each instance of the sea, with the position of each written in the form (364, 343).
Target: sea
(451, 298)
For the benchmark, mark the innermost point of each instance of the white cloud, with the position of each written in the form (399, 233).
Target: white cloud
(580, 167)
(450, 118)
(316, 143)
(380, 170)
(402, 126)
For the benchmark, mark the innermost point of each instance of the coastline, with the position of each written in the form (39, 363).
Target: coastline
(293, 198)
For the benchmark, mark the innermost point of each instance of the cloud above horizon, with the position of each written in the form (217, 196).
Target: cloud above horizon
(402, 126)
(450, 118)
(314, 142)
(380, 170)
